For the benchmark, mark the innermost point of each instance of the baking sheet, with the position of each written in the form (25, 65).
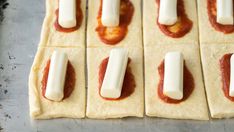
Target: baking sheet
(19, 37)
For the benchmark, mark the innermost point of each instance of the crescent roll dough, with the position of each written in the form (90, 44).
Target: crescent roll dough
(220, 106)
(153, 35)
(51, 37)
(195, 107)
(73, 106)
(208, 35)
(133, 37)
(97, 107)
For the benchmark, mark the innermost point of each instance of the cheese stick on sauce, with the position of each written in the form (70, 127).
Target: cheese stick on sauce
(173, 76)
(115, 72)
(231, 87)
(224, 12)
(56, 77)
(110, 13)
(168, 12)
(67, 13)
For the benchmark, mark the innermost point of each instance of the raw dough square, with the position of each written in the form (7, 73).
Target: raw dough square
(195, 107)
(51, 37)
(134, 34)
(72, 107)
(153, 35)
(220, 106)
(208, 35)
(99, 108)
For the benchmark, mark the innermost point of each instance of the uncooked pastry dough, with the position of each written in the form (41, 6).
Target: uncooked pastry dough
(195, 107)
(72, 107)
(51, 37)
(134, 34)
(97, 107)
(153, 35)
(208, 35)
(220, 106)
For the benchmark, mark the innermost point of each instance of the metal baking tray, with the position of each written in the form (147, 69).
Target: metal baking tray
(19, 37)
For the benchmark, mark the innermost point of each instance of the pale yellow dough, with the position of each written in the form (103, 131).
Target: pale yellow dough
(99, 108)
(195, 107)
(153, 35)
(72, 107)
(51, 37)
(208, 35)
(134, 34)
(220, 106)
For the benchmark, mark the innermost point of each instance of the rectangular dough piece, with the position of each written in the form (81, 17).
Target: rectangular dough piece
(72, 107)
(195, 107)
(208, 35)
(133, 37)
(220, 106)
(51, 37)
(153, 35)
(99, 108)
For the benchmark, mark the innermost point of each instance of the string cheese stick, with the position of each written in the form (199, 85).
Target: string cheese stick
(173, 75)
(110, 13)
(168, 12)
(67, 13)
(56, 77)
(115, 72)
(225, 12)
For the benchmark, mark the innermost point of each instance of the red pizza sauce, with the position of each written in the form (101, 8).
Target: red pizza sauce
(79, 18)
(113, 35)
(225, 73)
(70, 79)
(181, 27)
(212, 13)
(188, 85)
(129, 83)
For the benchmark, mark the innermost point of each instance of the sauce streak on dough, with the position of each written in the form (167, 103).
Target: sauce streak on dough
(181, 27)
(188, 85)
(70, 79)
(79, 18)
(113, 35)
(212, 13)
(225, 73)
(129, 83)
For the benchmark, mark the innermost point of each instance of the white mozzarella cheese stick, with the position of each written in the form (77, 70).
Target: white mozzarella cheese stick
(110, 13)
(231, 87)
(56, 77)
(67, 13)
(168, 12)
(115, 72)
(225, 12)
(173, 75)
